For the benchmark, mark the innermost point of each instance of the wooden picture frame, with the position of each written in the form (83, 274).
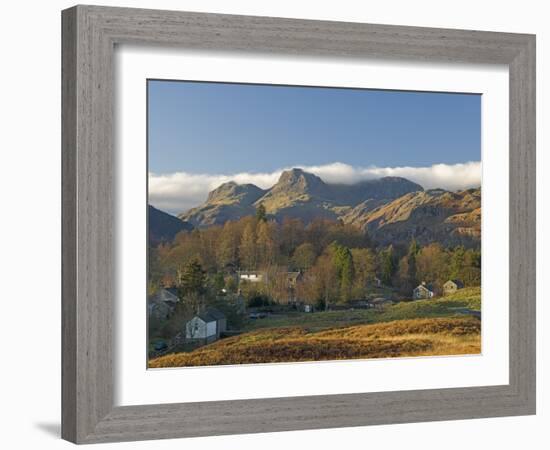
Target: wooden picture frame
(90, 34)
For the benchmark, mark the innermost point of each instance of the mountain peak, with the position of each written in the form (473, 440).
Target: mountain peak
(298, 194)
(231, 189)
(300, 179)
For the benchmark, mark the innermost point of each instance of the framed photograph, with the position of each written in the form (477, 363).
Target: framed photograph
(278, 224)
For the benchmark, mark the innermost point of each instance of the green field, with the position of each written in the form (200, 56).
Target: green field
(469, 298)
(416, 328)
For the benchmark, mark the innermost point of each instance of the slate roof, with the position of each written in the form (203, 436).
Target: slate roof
(459, 283)
(172, 290)
(166, 295)
(211, 315)
(428, 286)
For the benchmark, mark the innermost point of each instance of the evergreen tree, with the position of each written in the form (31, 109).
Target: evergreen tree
(219, 282)
(364, 266)
(411, 263)
(304, 256)
(192, 279)
(457, 263)
(343, 261)
(261, 215)
(387, 265)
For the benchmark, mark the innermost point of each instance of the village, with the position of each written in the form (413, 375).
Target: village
(234, 313)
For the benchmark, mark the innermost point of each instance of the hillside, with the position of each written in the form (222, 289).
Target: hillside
(230, 201)
(450, 218)
(439, 326)
(163, 227)
(391, 209)
(413, 337)
(296, 194)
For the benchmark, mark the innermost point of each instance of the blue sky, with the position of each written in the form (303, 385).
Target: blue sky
(218, 127)
(204, 134)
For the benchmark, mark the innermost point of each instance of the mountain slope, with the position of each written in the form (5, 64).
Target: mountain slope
(296, 194)
(229, 201)
(391, 209)
(163, 227)
(451, 218)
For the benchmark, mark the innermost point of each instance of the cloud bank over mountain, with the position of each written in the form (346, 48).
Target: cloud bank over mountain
(179, 191)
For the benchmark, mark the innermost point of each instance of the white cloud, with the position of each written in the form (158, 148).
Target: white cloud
(180, 191)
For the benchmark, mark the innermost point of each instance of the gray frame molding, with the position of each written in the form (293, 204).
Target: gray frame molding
(89, 34)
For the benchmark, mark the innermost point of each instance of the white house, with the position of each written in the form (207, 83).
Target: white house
(423, 290)
(206, 326)
(252, 276)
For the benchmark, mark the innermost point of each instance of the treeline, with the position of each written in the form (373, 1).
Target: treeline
(339, 262)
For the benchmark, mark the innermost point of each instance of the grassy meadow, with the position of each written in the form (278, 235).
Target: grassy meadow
(411, 328)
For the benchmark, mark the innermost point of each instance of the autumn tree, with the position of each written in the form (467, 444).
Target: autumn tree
(364, 264)
(318, 233)
(304, 256)
(277, 285)
(247, 247)
(324, 281)
(227, 250)
(292, 235)
(348, 235)
(266, 247)
(432, 264)
(256, 244)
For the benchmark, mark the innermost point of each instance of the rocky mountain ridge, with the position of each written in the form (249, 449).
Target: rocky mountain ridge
(297, 194)
(390, 209)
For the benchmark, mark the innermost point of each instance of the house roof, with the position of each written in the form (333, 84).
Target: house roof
(458, 283)
(166, 295)
(172, 290)
(428, 286)
(211, 315)
(293, 275)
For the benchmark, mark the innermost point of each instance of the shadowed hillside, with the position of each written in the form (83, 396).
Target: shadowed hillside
(436, 215)
(163, 227)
